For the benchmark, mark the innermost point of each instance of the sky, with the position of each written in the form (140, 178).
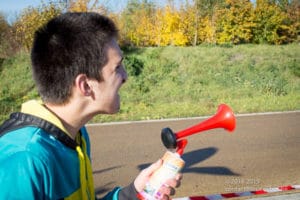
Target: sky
(16, 5)
(10, 8)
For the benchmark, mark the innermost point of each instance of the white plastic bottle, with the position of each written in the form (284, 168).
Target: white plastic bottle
(172, 164)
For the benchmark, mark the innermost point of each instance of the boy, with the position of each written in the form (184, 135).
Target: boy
(77, 68)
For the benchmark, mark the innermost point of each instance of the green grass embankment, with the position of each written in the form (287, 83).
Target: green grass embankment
(174, 82)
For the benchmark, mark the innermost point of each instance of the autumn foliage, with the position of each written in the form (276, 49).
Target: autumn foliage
(193, 22)
(30, 19)
(210, 21)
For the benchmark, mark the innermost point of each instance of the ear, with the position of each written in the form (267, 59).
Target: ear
(81, 84)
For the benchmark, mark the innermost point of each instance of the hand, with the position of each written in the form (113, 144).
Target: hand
(166, 190)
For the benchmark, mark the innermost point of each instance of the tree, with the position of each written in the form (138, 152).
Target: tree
(208, 7)
(137, 23)
(293, 14)
(85, 6)
(4, 33)
(272, 24)
(33, 18)
(173, 32)
(235, 22)
(190, 22)
(206, 11)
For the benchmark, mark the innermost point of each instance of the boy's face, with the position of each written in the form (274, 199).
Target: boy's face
(106, 91)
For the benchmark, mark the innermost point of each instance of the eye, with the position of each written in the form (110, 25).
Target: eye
(118, 67)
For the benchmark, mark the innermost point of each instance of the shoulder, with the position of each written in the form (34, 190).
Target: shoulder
(28, 176)
(25, 172)
(22, 161)
(30, 142)
(30, 160)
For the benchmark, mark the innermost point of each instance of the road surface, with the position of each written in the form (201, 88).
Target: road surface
(263, 152)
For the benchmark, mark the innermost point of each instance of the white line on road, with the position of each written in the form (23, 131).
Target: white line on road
(187, 118)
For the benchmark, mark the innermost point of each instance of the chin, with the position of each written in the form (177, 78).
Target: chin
(114, 110)
(109, 111)
(112, 107)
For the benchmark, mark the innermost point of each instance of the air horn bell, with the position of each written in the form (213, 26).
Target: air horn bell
(224, 118)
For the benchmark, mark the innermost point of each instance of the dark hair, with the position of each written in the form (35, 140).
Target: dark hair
(68, 45)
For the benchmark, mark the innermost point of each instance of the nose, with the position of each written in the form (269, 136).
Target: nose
(124, 74)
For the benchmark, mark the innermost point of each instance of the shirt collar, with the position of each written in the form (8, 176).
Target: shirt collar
(38, 109)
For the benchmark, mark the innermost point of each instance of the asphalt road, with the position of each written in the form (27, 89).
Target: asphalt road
(263, 152)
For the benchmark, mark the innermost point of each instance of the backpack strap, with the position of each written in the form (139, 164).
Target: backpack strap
(19, 120)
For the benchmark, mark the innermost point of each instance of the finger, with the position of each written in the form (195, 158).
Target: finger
(167, 190)
(173, 183)
(165, 197)
(172, 191)
(179, 177)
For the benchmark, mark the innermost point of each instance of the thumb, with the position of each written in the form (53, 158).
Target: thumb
(144, 176)
(152, 168)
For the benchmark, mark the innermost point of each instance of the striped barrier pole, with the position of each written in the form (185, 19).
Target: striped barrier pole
(241, 194)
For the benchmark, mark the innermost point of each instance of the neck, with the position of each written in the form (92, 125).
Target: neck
(72, 119)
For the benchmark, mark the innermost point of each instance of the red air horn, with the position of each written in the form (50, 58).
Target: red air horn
(224, 118)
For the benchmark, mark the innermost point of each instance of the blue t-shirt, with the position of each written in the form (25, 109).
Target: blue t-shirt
(36, 164)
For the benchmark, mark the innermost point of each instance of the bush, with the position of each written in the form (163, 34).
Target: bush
(8, 45)
(133, 65)
(295, 68)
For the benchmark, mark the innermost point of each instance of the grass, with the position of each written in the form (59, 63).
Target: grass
(173, 82)
(16, 85)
